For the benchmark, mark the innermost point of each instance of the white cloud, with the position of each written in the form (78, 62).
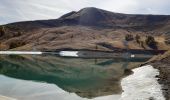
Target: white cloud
(119, 6)
(20, 10)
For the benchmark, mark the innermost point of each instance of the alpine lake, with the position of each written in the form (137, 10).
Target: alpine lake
(50, 77)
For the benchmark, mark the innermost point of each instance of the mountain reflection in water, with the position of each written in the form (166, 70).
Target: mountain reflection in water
(88, 78)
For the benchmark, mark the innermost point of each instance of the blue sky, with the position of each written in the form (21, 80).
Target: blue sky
(23, 10)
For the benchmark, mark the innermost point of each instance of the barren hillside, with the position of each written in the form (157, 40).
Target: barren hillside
(88, 29)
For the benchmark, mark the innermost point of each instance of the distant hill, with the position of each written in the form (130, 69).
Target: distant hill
(85, 29)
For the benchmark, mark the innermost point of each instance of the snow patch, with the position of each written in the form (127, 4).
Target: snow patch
(132, 56)
(69, 53)
(142, 85)
(20, 52)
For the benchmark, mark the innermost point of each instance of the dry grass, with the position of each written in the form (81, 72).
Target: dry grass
(77, 37)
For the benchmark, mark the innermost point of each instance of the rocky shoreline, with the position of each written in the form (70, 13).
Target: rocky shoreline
(164, 78)
(162, 63)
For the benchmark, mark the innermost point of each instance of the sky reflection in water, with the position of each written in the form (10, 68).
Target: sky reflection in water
(42, 77)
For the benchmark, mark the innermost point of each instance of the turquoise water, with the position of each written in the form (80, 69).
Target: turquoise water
(58, 78)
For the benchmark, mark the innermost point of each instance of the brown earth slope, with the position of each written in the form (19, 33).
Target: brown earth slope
(86, 29)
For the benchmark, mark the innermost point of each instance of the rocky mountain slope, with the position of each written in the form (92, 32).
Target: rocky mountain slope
(86, 29)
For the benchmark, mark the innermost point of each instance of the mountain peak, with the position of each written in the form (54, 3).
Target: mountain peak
(92, 11)
(89, 9)
(87, 16)
(91, 16)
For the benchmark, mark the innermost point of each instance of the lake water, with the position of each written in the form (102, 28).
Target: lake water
(58, 78)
